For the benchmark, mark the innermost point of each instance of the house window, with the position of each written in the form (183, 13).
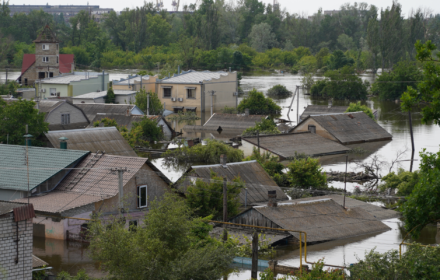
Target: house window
(41, 75)
(57, 59)
(312, 129)
(53, 92)
(45, 59)
(25, 81)
(142, 196)
(45, 47)
(65, 118)
(167, 92)
(50, 74)
(191, 93)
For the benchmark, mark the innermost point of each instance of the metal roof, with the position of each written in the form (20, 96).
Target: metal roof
(47, 106)
(8, 206)
(230, 123)
(322, 219)
(193, 77)
(37, 262)
(257, 181)
(350, 128)
(107, 139)
(91, 110)
(64, 79)
(322, 109)
(130, 80)
(43, 164)
(121, 120)
(99, 94)
(287, 144)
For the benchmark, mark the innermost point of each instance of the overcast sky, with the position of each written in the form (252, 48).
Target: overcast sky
(307, 7)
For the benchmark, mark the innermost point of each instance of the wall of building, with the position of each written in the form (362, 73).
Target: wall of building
(61, 88)
(304, 126)
(88, 100)
(76, 115)
(8, 248)
(11, 194)
(53, 228)
(125, 99)
(224, 92)
(180, 91)
(90, 85)
(247, 149)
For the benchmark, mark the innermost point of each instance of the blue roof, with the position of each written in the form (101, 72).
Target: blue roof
(43, 164)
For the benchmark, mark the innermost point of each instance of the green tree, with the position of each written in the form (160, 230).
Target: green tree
(110, 97)
(171, 244)
(306, 173)
(338, 60)
(265, 126)
(106, 122)
(156, 106)
(271, 165)
(262, 38)
(403, 182)
(203, 196)
(358, 107)
(13, 119)
(258, 104)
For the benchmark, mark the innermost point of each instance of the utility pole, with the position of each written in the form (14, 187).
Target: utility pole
(148, 104)
(121, 186)
(212, 96)
(412, 140)
(6, 82)
(254, 272)
(345, 178)
(297, 107)
(258, 141)
(225, 200)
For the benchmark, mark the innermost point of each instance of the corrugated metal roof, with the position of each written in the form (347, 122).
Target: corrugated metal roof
(8, 206)
(131, 80)
(37, 262)
(286, 145)
(46, 106)
(350, 128)
(193, 77)
(257, 181)
(321, 110)
(322, 219)
(65, 79)
(24, 212)
(43, 164)
(230, 123)
(121, 120)
(107, 139)
(91, 110)
(54, 127)
(99, 94)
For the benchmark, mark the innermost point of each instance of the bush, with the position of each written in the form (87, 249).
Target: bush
(357, 107)
(258, 104)
(279, 91)
(265, 126)
(306, 173)
(404, 182)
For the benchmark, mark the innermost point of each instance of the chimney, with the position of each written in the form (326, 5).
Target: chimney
(63, 143)
(27, 139)
(330, 103)
(223, 160)
(272, 196)
(246, 112)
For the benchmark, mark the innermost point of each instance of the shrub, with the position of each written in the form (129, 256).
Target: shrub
(279, 91)
(357, 107)
(258, 104)
(306, 173)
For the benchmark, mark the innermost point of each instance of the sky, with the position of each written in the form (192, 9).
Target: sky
(300, 7)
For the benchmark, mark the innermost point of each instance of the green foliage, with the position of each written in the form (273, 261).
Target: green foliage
(258, 104)
(110, 97)
(229, 110)
(306, 173)
(389, 85)
(156, 106)
(171, 244)
(279, 91)
(338, 60)
(106, 122)
(317, 272)
(184, 117)
(265, 249)
(265, 126)
(150, 130)
(13, 119)
(81, 275)
(206, 199)
(358, 107)
(404, 182)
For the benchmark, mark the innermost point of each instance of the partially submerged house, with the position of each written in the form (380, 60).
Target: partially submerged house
(105, 139)
(61, 114)
(257, 181)
(91, 110)
(197, 90)
(345, 128)
(322, 110)
(288, 145)
(47, 167)
(121, 97)
(93, 186)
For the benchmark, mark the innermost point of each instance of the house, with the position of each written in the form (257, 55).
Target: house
(16, 259)
(228, 123)
(92, 187)
(127, 121)
(257, 181)
(121, 97)
(133, 83)
(322, 218)
(61, 114)
(345, 128)
(47, 61)
(322, 110)
(46, 169)
(105, 139)
(26, 93)
(72, 84)
(92, 110)
(287, 145)
(198, 90)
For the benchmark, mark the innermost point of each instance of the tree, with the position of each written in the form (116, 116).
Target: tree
(110, 97)
(258, 104)
(150, 130)
(338, 60)
(428, 91)
(106, 122)
(271, 166)
(171, 244)
(265, 126)
(262, 38)
(358, 107)
(13, 119)
(156, 106)
(403, 182)
(203, 196)
(306, 173)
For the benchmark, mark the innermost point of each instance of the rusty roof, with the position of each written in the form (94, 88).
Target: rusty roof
(321, 110)
(24, 212)
(323, 219)
(350, 128)
(107, 139)
(286, 145)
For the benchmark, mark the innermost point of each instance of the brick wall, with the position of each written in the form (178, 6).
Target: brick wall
(8, 248)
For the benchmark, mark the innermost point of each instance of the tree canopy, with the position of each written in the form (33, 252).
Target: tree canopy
(358, 107)
(258, 104)
(156, 107)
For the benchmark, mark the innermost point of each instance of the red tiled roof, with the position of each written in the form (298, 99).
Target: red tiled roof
(66, 61)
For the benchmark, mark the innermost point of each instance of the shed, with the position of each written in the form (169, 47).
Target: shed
(106, 139)
(91, 110)
(61, 114)
(287, 145)
(322, 110)
(257, 181)
(346, 128)
(322, 219)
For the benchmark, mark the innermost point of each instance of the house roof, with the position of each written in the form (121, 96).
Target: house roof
(321, 110)
(47, 106)
(107, 139)
(287, 145)
(8, 206)
(65, 62)
(43, 164)
(66, 79)
(323, 219)
(28, 60)
(100, 94)
(193, 77)
(37, 262)
(98, 183)
(257, 181)
(91, 110)
(70, 126)
(350, 128)
(123, 120)
(46, 36)
(131, 80)
(230, 123)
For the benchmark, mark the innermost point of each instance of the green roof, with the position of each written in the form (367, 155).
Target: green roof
(43, 164)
